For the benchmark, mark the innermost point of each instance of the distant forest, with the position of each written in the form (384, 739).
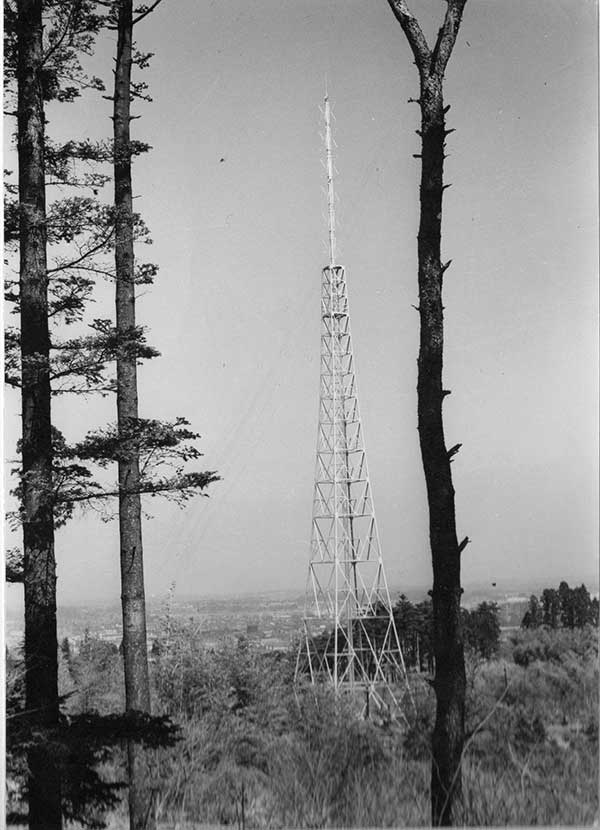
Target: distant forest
(562, 607)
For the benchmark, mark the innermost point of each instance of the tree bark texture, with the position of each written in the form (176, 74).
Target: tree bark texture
(449, 680)
(39, 569)
(137, 687)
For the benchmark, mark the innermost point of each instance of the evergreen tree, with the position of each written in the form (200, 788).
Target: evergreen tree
(594, 605)
(135, 656)
(581, 607)
(54, 294)
(482, 629)
(550, 607)
(406, 620)
(40, 38)
(37, 64)
(567, 609)
(534, 615)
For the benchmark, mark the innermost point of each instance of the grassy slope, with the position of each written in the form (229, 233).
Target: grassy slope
(253, 748)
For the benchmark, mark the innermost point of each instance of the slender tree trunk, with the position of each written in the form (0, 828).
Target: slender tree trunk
(449, 679)
(449, 682)
(137, 687)
(41, 648)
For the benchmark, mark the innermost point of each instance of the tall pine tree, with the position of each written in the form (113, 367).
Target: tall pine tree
(56, 476)
(39, 565)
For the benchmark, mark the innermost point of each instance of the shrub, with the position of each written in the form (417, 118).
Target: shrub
(257, 752)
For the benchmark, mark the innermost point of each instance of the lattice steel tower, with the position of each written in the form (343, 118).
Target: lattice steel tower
(350, 637)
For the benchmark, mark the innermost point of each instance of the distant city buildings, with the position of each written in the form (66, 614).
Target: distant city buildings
(271, 621)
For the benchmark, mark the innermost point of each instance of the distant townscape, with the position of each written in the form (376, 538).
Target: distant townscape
(270, 620)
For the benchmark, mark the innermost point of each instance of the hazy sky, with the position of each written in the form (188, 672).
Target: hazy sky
(241, 243)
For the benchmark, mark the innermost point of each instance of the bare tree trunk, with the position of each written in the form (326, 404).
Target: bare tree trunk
(449, 682)
(449, 679)
(39, 571)
(137, 687)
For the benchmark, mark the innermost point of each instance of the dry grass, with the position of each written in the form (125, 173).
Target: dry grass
(254, 754)
(531, 758)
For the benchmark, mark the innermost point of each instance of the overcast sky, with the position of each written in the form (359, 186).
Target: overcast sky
(232, 192)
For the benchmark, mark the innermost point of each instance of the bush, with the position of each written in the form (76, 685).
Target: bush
(257, 752)
(546, 644)
(254, 748)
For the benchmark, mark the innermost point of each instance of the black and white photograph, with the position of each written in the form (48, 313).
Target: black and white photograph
(301, 414)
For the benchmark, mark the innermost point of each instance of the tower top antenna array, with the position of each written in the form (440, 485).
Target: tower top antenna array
(350, 637)
(330, 186)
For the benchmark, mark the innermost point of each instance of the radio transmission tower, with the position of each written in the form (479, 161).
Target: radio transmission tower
(350, 638)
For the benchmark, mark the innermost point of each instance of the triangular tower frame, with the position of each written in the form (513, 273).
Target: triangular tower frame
(350, 638)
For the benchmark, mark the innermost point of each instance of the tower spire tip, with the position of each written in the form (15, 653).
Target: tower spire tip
(330, 187)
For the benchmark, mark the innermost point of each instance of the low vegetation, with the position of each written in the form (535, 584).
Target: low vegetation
(253, 751)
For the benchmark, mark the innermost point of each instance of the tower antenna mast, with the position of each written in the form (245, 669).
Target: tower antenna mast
(350, 637)
(330, 187)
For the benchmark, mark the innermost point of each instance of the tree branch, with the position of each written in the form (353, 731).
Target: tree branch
(102, 271)
(145, 489)
(413, 32)
(147, 12)
(58, 43)
(447, 36)
(94, 249)
(453, 450)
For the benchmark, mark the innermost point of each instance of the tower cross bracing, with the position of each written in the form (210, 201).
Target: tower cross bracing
(350, 638)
